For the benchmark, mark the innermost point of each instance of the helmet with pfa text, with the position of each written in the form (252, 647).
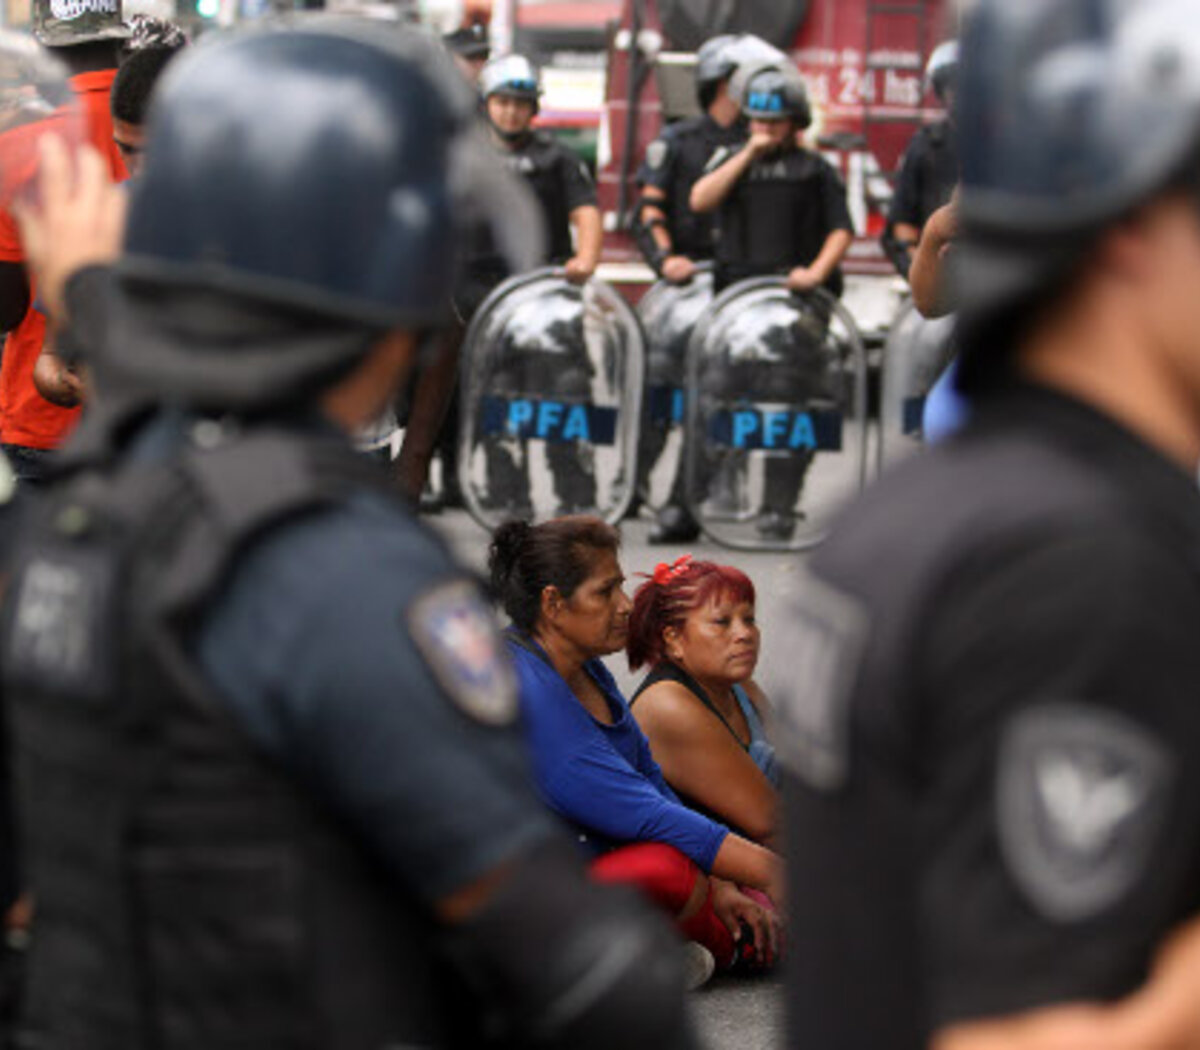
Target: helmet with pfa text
(777, 93)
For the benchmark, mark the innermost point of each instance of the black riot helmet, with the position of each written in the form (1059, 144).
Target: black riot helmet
(776, 93)
(309, 179)
(1070, 113)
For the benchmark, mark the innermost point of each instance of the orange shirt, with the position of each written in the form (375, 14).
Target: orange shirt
(27, 418)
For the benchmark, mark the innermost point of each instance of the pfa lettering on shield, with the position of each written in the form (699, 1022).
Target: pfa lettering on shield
(543, 419)
(776, 428)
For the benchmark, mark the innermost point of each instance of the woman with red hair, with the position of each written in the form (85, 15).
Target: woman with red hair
(693, 623)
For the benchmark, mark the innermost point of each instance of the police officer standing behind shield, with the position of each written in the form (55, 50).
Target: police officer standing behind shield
(672, 237)
(994, 797)
(781, 209)
(929, 168)
(272, 788)
(511, 90)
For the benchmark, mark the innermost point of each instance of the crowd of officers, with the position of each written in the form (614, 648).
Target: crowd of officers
(270, 782)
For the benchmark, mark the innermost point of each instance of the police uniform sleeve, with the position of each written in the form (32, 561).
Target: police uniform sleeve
(834, 208)
(362, 660)
(1059, 748)
(577, 181)
(906, 197)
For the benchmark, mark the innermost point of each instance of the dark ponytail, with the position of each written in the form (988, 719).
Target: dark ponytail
(525, 559)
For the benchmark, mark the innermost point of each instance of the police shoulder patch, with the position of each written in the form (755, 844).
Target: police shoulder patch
(456, 634)
(656, 154)
(1081, 796)
(828, 631)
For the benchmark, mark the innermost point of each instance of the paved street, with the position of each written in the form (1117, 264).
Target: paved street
(734, 1014)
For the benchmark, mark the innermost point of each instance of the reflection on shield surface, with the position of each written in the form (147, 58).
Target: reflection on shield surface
(777, 435)
(916, 353)
(552, 387)
(669, 313)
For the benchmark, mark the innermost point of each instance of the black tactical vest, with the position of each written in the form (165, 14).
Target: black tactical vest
(774, 220)
(190, 895)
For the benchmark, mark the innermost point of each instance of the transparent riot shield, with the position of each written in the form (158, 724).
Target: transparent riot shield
(777, 429)
(668, 312)
(917, 351)
(551, 401)
(35, 99)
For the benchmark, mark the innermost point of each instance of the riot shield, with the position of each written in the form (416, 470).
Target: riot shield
(917, 351)
(669, 313)
(551, 401)
(777, 429)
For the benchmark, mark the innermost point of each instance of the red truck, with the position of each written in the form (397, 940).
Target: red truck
(864, 63)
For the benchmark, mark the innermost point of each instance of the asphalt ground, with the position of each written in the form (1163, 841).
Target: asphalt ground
(733, 1013)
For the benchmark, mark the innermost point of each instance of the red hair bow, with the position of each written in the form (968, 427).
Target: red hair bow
(664, 573)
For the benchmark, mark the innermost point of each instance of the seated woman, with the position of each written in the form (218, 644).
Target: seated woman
(693, 624)
(561, 585)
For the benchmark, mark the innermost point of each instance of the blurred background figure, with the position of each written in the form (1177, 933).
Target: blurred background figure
(471, 49)
(929, 168)
(60, 373)
(87, 39)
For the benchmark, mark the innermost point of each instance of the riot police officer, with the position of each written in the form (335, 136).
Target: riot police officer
(781, 209)
(929, 168)
(273, 791)
(994, 800)
(672, 237)
(511, 90)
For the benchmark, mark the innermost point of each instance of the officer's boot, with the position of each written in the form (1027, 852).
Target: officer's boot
(574, 476)
(674, 522)
(723, 496)
(783, 480)
(507, 483)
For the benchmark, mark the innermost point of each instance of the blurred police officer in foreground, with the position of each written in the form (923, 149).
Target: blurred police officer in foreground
(929, 168)
(672, 237)
(272, 789)
(994, 798)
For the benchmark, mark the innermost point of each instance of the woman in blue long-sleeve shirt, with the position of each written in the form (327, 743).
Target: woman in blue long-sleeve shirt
(561, 584)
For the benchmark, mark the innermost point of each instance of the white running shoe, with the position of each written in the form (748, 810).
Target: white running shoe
(698, 965)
